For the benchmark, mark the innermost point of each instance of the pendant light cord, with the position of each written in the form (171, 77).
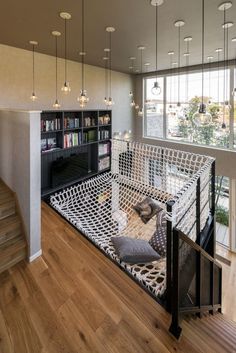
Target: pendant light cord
(203, 46)
(179, 64)
(110, 78)
(171, 66)
(65, 51)
(224, 81)
(187, 71)
(209, 68)
(218, 78)
(156, 39)
(56, 65)
(33, 70)
(82, 39)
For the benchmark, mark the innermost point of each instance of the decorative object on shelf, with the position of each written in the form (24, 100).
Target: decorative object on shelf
(66, 87)
(141, 48)
(156, 89)
(127, 135)
(179, 111)
(56, 34)
(106, 60)
(218, 51)
(226, 25)
(110, 101)
(234, 89)
(209, 58)
(202, 117)
(83, 99)
(33, 96)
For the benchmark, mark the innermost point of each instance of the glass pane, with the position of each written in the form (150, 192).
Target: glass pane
(154, 109)
(180, 121)
(222, 210)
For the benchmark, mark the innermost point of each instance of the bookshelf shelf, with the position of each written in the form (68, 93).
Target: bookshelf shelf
(81, 142)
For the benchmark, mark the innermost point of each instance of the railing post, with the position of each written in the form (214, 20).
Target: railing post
(199, 280)
(212, 244)
(175, 328)
(212, 286)
(198, 211)
(169, 252)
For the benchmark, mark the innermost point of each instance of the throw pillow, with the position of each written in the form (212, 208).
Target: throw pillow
(146, 209)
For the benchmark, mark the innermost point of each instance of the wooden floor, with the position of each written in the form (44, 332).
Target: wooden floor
(74, 300)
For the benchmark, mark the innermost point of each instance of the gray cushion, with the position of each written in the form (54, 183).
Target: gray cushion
(134, 251)
(158, 240)
(146, 209)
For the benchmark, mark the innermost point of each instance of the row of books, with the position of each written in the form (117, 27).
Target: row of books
(72, 139)
(104, 148)
(71, 123)
(104, 163)
(104, 119)
(48, 144)
(89, 136)
(103, 134)
(89, 122)
(50, 125)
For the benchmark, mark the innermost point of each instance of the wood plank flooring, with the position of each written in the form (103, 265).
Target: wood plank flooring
(74, 300)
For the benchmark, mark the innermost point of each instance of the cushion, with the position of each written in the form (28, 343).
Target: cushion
(146, 209)
(158, 240)
(134, 251)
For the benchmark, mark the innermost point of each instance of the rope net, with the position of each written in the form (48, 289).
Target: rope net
(102, 207)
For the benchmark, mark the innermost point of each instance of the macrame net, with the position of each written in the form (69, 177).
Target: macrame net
(102, 207)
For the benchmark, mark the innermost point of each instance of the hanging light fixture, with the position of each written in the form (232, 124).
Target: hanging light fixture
(146, 64)
(33, 96)
(202, 117)
(141, 48)
(156, 89)
(209, 58)
(83, 99)
(234, 89)
(66, 87)
(170, 53)
(110, 101)
(131, 67)
(226, 25)
(218, 51)
(187, 40)
(56, 34)
(106, 60)
(179, 111)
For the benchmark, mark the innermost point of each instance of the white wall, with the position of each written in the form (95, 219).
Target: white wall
(16, 85)
(20, 168)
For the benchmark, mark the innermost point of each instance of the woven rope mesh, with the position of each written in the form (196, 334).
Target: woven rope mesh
(102, 207)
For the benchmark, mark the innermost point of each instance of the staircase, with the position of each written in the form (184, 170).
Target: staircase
(216, 331)
(13, 246)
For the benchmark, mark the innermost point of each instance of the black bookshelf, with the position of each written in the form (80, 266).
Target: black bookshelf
(75, 145)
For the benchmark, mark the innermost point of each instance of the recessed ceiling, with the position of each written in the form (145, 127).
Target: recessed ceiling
(134, 20)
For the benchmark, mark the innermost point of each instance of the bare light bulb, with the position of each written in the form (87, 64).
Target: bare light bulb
(156, 89)
(131, 94)
(56, 105)
(110, 102)
(33, 97)
(202, 118)
(132, 104)
(137, 107)
(140, 113)
(83, 99)
(66, 88)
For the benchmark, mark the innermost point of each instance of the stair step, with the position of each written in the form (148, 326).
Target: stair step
(11, 252)
(10, 227)
(7, 208)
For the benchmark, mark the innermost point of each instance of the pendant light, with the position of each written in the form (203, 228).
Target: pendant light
(83, 99)
(131, 67)
(106, 62)
(171, 54)
(56, 34)
(110, 101)
(209, 59)
(226, 25)
(179, 24)
(66, 87)
(156, 89)
(146, 65)
(141, 48)
(234, 89)
(218, 51)
(187, 40)
(202, 118)
(33, 96)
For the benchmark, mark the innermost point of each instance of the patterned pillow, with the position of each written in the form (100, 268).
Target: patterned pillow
(158, 240)
(146, 209)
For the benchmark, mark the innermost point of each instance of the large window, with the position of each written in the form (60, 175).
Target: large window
(171, 114)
